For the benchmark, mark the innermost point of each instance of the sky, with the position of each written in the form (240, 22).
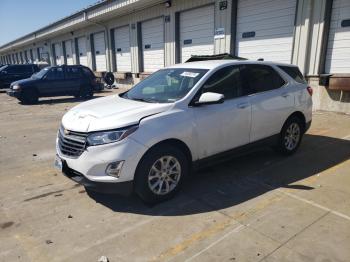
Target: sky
(20, 17)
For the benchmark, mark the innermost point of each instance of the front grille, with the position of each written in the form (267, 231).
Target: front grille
(71, 144)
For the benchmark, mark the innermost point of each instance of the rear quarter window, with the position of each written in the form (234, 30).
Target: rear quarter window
(294, 73)
(87, 72)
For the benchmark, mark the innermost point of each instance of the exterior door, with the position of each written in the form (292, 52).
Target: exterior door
(53, 83)
(197, 32)
(265, 29)
(221, 127)
(153, 44)
(72, 79)
(122, 49)
(271, 101)
(100, 52)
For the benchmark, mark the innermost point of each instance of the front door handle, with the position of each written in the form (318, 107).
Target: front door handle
(285, 95)
(242, 105)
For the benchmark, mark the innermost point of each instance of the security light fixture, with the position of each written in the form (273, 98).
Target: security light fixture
(167, 4)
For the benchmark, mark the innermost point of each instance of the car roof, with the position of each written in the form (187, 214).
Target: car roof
(212, 64)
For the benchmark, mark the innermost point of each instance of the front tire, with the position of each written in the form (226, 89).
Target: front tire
(160, 174)
(29, 97)
(291, 136)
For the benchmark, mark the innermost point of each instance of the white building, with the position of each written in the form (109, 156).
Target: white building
(136, 37)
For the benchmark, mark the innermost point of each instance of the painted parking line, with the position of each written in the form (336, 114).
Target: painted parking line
(235, 230)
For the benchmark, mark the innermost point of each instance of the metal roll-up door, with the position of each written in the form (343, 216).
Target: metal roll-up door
(82, 53)
(338, 48)
(35, 55)
(153, 44)
(265, 29)
(196, 32)
(122, 49)
(26, 56)
(69, 52)
(100, 52)
(58, 53)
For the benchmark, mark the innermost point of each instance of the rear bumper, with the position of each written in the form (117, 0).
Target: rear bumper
(307, 126)
(121, 188)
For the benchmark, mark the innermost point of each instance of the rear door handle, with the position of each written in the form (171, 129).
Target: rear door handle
(242, 105)
(285, 95)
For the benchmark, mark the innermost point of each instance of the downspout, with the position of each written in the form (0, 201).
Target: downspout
(107, 39)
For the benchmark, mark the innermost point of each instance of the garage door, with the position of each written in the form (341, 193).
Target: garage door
(57, 48)
(21, 60)
(153, 44)
(338, 51)
(197, 32)
(100, 52)
(82, 51)
(69, 52)
(265, 29)
(122, 49)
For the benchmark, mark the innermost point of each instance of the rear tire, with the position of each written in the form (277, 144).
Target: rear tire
(85, 92)
(29, 97)
(160, 174)
(291, 135)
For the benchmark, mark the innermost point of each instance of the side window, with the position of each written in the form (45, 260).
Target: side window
(72, 72)
(55, 74)
(226, 81)
(261, 78)
(87, 72)
(27, 69)
(13, 70)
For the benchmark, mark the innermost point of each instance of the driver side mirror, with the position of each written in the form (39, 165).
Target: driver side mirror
(210, 98)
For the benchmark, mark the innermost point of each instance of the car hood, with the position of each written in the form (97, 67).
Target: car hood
(25, 82)
(109, 112)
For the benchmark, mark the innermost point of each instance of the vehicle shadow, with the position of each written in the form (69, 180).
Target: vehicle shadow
(241, 179)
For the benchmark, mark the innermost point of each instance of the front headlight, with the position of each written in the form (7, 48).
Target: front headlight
(106, 137)
(16, 87)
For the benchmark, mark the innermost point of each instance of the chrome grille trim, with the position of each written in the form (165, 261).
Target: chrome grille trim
(72, 144)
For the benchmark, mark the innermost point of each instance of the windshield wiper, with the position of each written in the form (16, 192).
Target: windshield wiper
(144, 100)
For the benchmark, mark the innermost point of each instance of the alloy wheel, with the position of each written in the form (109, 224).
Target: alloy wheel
(292, 136)
(164, 175)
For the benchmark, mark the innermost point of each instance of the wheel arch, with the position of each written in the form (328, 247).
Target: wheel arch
(175, 143)
(299, 115)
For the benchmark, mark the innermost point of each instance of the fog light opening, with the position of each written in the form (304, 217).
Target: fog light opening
(113, 169)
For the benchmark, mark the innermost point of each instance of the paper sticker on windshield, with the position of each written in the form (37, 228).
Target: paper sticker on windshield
(189, 74)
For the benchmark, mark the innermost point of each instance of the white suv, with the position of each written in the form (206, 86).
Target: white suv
(148, 139)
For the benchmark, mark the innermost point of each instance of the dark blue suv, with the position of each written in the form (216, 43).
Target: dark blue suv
(74, 80)
(11, 73)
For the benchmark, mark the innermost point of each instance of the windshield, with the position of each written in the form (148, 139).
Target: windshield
(41, 73)
(3, 67)
(166, 86)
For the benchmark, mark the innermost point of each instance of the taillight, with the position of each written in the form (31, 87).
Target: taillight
(309, 90)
